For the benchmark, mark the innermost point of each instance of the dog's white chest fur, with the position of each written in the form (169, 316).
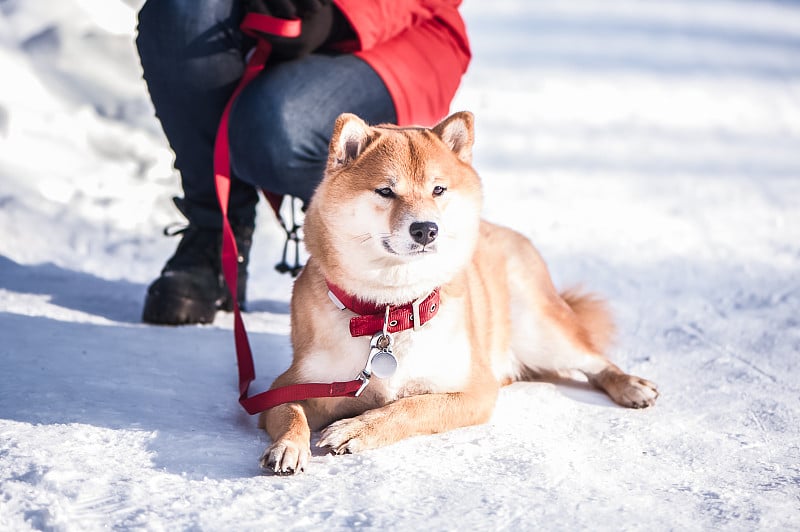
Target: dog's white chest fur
(436, 358)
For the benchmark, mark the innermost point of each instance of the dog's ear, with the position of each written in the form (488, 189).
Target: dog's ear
(350, 136)
(457, 131)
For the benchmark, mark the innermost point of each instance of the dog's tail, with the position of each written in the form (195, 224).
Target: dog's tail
(593, 315)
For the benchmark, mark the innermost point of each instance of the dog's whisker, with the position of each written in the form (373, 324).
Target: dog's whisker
(362, 238)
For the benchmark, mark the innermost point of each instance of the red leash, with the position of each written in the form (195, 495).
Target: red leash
(252, 25)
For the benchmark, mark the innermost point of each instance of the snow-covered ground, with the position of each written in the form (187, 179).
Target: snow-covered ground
(650, 149)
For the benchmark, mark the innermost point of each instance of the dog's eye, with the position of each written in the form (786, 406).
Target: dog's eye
(385, 192)
(438, 190)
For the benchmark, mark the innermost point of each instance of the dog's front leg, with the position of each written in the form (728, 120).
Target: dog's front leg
(408, 416)
(290, 451)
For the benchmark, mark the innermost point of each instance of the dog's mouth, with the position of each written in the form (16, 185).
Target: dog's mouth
(412, 251)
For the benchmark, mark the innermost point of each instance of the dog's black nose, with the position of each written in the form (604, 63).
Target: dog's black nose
(424, 232)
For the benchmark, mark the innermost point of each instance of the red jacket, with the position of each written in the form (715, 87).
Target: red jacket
(419, 48)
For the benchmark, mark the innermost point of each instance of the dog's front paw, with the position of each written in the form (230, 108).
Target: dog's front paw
(346, 436)
(286, 457)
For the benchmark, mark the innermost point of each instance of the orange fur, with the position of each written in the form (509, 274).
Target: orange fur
(595, 317)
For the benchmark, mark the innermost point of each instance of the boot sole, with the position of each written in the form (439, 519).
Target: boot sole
(170, 309)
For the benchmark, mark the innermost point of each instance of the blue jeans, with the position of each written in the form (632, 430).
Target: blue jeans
(192, 54)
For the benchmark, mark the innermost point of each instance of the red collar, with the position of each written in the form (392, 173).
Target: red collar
(370, 316)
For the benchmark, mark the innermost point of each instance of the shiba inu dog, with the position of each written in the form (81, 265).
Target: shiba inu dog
(396, 223)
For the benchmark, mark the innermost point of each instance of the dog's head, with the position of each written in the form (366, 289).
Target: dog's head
(398, 211)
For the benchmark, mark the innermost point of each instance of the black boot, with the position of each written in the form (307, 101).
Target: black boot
(192, 288)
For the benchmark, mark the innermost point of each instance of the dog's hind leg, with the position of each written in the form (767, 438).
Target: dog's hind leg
(558, 344)
(558, 334)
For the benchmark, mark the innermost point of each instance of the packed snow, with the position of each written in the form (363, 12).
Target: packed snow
(651, 150)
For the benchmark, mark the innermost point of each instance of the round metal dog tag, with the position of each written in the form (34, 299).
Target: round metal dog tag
(384, 364)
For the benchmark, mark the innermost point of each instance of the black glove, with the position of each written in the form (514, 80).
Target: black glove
(317, 17)
(286, 8)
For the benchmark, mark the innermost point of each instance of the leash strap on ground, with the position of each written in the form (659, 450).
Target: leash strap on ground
(255, 25)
